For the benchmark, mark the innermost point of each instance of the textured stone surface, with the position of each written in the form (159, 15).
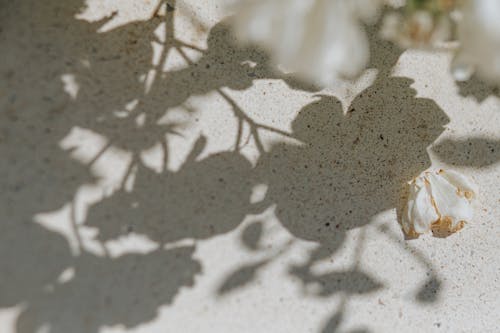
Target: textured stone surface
(155, 177)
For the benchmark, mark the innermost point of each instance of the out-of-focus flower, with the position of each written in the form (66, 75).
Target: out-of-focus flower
(418, 29)
(320, 40)
(421, 23)
(439, 201)
(479, 37)
(474, 24)
(324, 40)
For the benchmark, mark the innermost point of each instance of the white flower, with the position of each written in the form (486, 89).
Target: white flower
(419, 29)
(479, 36)
(439, 201)
(320, 40)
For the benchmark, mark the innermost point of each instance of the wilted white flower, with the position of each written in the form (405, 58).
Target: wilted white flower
(320, 40)
(439, 201)
(479, 37)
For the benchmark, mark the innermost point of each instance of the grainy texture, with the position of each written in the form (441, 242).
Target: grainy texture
(155, 177)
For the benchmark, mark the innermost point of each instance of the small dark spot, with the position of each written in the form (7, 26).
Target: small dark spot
(9, 73)
(337, 226)
(221, 180)
(207, 66)
(381, 137)
(130, 229)
(437, 325)
(170, 8)
(327, 224)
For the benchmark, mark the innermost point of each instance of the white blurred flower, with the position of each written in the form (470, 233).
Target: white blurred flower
(320, 40)
(479, 37)
(421, 28)
(439, 201)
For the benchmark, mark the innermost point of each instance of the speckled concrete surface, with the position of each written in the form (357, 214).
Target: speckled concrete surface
(157, 178)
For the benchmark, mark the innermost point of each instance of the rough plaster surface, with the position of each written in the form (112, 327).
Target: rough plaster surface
(155, 177)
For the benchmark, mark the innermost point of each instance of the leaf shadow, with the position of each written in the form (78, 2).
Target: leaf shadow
(477, 88)
(476, 152)
(362, 151)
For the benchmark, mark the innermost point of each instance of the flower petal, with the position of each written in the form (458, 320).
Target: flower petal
(450, 205)
(406, 220)
(321, 40)
(423, 213)
(479, 37)
(464, 184)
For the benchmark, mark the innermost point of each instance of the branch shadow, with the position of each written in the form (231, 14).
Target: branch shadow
(346, 169)
(38, 176)
(65, 291)
(127, 290)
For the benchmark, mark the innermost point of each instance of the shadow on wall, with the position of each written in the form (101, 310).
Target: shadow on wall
(205, 197)
(477, 89)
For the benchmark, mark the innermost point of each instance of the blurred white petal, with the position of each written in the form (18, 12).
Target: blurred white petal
(320, 40)
(461, 69)
(479, 36)
(420, 29)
